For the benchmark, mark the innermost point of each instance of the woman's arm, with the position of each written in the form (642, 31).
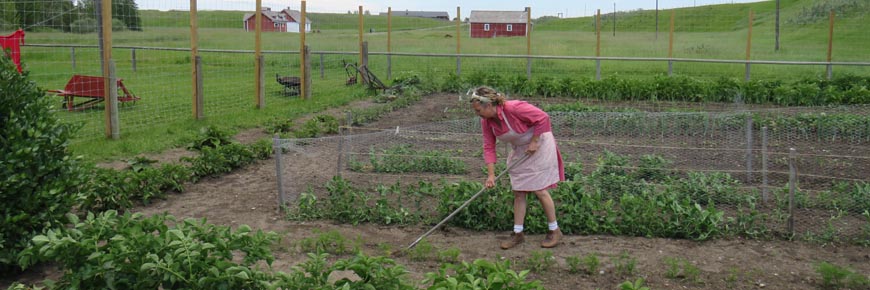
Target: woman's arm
(488, 142)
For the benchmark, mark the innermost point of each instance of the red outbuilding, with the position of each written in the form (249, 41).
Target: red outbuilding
(277, 21)
(488, 24)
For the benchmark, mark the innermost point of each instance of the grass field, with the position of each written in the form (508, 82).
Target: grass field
(163, 78)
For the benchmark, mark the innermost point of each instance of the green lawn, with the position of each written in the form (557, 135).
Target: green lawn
(162, 119)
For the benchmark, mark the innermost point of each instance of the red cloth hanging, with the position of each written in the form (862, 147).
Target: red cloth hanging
(13, 42)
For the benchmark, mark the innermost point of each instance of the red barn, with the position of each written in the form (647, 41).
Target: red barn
(488, 24)
(277, 21)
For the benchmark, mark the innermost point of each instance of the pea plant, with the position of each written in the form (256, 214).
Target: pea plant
(402, 159)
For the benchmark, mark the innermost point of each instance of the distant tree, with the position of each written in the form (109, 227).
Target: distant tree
(367, 13)
(125, 10)
(55, 14)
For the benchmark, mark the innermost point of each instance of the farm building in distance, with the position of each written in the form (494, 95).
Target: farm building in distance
(421, 14)
(489, 24)
(277, 21)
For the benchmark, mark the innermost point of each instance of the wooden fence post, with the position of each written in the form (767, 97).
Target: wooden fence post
(764, 181)
(194, 55)
(306, 75)
(259, 84)
(277, 149)
(792, 186)
(598, 45)
(749, 46)
(671, 46)
(830, 67)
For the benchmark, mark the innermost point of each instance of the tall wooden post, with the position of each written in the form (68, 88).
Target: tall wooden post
(303, 58)
(749, 46)
(258, 57)
(776, 29)
(360, 34)
(194, 56)
(389, 43)
(598, 45)
(529, 43)
(458, 42)
(108, 74)
(830, 45)
(671, 45)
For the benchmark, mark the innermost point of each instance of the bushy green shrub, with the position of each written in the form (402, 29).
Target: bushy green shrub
(38, 175)
(118, 25)
(83, 26)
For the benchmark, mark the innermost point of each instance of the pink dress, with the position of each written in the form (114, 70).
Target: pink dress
(518, 122)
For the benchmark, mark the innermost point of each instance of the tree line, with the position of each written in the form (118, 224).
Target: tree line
(65, 15)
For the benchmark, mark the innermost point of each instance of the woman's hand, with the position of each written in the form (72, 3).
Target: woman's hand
(533, 147)
(490, 181)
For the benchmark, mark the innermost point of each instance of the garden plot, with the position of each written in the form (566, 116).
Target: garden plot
(248, 196)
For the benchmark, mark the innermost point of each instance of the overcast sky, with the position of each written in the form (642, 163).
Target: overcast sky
(569, 8)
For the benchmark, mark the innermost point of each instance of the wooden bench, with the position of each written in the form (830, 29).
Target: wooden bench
(91, 88)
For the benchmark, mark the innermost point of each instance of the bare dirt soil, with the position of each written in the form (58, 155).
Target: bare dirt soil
(248, 196)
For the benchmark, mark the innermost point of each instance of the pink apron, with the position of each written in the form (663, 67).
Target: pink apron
(541, 170)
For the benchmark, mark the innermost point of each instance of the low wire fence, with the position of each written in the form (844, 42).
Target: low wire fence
(806, 180)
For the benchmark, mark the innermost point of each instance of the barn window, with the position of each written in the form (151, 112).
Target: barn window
(510, 27)
(486, 27)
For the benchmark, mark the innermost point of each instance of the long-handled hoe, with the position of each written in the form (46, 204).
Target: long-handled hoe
(525, 156)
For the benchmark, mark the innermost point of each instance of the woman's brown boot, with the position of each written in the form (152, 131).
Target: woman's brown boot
(515, 239)
(552, 239)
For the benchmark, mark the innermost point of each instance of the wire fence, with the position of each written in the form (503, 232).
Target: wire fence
(722, 158)
(163, 56)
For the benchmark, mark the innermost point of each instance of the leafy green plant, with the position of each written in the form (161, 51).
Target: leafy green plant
(682, 269)
(573, 263)
(225, 158)
(139, 163)
(373, 273)
(317, 126)
(574, 170)
(591, 263)
(402, 158)
(653, 168)
(588, 264)
(348, 204)
(132, 251)
(540, 261)
(625, 264)
(38, 174)
(836, 277)
(331, 242)
(480, 274)
(714, 187)
(636, 285)
(211, 137)
(422, 252)
(449, 255)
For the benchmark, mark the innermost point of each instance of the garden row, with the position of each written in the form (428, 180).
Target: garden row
(815, 125)
(131, 251)
(842, 90)
(620, 197)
